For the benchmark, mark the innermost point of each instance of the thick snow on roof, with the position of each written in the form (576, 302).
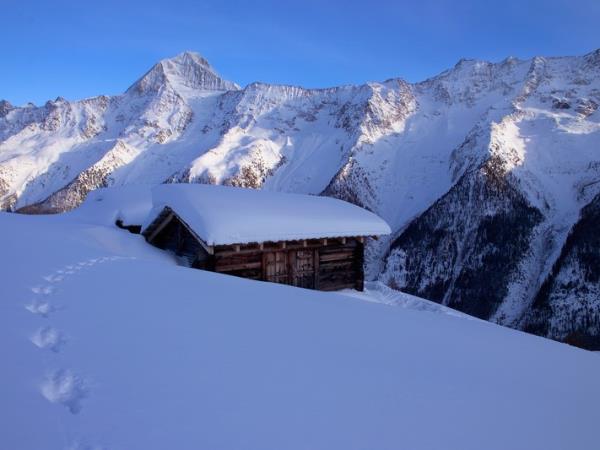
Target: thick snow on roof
(130, 204)
(227, 215)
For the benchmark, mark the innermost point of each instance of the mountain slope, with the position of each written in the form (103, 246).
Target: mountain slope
(567, 307)
(541, 164)
(467, 248)
(481, 171)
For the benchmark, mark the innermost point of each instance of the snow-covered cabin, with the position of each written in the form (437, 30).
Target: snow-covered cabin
(302, 240)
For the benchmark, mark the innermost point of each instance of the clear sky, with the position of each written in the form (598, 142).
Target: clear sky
(82, 48)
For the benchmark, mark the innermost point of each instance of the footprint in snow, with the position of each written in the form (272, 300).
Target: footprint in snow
(65, 387)
(80, 444)
(50, 338)
(53, 278)
(42, 290)
(60, 274)
(41, 307)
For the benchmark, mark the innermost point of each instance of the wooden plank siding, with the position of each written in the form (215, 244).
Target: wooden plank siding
(340, 266)
(324, 264)
(329, 267)
(246, 265)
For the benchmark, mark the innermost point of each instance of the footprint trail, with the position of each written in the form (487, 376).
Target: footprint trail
(61, 385)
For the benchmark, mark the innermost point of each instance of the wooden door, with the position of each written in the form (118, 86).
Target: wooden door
(302, 264)
(276, 267)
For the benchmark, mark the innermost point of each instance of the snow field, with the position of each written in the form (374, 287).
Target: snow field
(155, 356)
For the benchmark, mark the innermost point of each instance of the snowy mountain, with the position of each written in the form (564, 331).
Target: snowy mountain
(108, 344)
(483, 171)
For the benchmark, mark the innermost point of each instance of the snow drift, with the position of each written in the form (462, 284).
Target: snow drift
(108, 344)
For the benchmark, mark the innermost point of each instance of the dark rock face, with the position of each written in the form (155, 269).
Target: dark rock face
(342, 186)
(73, 194)
(567, 307)
(464, 250)
(5, 108)
(586, 107)
(560, 103)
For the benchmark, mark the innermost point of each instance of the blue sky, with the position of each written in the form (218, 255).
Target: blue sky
(79, 48)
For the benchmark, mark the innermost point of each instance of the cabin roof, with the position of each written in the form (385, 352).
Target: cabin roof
(223, 215)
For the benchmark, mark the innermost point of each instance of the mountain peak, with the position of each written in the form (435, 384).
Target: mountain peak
(187, 70)
(190, 58)
(469, 64)
(593, 58)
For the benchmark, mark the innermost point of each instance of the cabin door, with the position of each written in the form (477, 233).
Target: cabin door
(276, 267)
(302, 264)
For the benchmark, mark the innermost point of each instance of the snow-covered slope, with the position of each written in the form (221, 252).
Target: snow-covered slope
(575, 275)
(108, 344)
(488, 244)
(489, 163)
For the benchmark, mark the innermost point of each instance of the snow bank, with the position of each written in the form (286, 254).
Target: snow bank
(107, 344)
(131, 204)
(227, 215)
(377, 292)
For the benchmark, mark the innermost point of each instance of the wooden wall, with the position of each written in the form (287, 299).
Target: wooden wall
(341, 266)
(324, 264)
(175, 237)
(242, 264)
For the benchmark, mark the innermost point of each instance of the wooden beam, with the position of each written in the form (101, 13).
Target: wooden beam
(240, 266)
(341, 255)
(237, 248)
(226, 250)
(160, 227)
(283, 244)
(359, 258)
(209, 248)
(304, 243)
(324, 241)
(316, 265)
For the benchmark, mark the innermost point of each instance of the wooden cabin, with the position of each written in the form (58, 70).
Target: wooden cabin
(301, 240)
